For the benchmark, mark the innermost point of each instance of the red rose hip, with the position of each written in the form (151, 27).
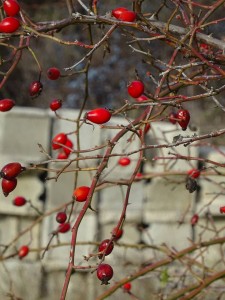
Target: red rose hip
(11, 170)
(106, 246)
(11, 7)
(64, 227)
(183, 117)
(136, 88)
(6, 104)
(19, 201)
(61, 217)
(124, 161)
(104, 273)
(98, 115)
(55, 104)
(53, 73)
(118, 11)
(81, 193)
(9, 25)
(23, 251)
(8, 185)
(127, 16)
(194, 173)
(35, 89)
(60, 138)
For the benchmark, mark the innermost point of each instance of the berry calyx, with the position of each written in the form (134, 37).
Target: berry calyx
(35, 89)
(98, 115)
(8, 185)
(19, 201)
(127, 287)
(104, 273)
(64, 227)
(135, 88)
(53, 73)
(106, 247)
(124, 161)
(61, 217)
(183, 117)
(173, 118)
(194, 173)
(117, 233)
(9, 25)
(194, 219)
(55, 104)
(11, 7)
(6, 104)
(81, 193)
(23, 251)
(11, 170)
(59, 140)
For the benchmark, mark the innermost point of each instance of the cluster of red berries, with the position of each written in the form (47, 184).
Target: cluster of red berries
(105, 271)
(36, 87)
(62, 143)
(8, 174)
(64, 226)
(10, 24)
(123, 14)
(182, 117)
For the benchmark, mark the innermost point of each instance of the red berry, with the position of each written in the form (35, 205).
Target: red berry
(105, 244)
(19, 201)
(35, 88)
(222, 209)
(55, 104)
(117, 233)
(146, 129)
(139, 175)
(11, 7)
(6, 104)
(23, 251)
(98, 115)
(173, 118)
(68, 144)
(8, 185)
(63, 228)
(124, 161)
(62, 155)
(104, 273)
(194, 219)
(194, 173)
(60, 138)
(53, 73)
(127, 286)
(9, 25)
(118, 11)
(141, 98)
(127, 16)
(183, 117)
(81, 193)
(135, 88)
(11, 170)
(61, 217)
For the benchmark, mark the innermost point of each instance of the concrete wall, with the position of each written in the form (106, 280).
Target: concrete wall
(161, 202)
